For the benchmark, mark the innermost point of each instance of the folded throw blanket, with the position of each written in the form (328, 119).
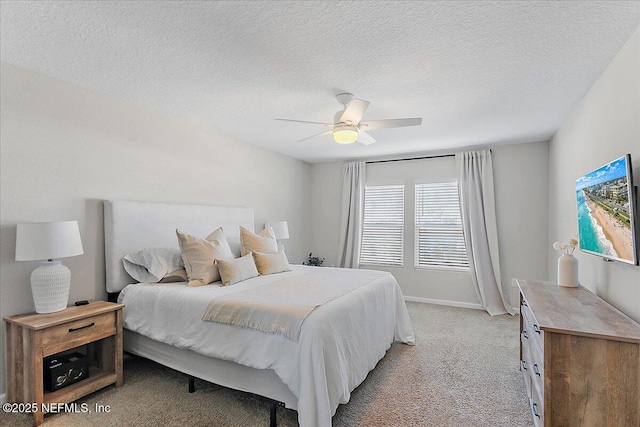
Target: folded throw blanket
(280, 307)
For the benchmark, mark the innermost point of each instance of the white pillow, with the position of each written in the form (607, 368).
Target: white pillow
(264, 242)
(236, 270)
(151, 265)
(199, 256)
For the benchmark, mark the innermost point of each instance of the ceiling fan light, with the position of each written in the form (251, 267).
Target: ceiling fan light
(345, 135)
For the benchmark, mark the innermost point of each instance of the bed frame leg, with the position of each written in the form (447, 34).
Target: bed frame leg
(272, 413)
(192, 384)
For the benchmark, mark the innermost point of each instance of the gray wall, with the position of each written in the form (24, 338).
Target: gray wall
(520, 173)
(604, 126)
(65, 149)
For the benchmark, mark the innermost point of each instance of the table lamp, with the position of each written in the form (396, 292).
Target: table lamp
(49, 241)
(281, 231)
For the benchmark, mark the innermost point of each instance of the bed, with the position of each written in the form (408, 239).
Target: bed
(340, 342)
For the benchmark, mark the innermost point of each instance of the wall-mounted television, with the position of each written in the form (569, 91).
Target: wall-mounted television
(606, 201)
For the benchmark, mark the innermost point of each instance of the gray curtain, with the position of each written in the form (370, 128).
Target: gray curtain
(477, 205)
(353, 176)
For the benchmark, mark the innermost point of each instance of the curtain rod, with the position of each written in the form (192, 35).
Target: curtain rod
(414, 158)
(411, 158)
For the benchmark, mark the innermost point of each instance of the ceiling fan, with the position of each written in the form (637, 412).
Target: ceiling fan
(348, 127)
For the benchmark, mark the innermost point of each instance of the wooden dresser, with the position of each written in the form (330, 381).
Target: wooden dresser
(580, 358)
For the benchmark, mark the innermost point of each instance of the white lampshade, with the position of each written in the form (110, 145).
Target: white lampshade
(280, 229)
(48, 241)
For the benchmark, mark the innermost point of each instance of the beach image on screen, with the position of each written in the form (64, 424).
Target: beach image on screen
(604, 220)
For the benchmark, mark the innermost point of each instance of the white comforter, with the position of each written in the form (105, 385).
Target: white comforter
(340, 342)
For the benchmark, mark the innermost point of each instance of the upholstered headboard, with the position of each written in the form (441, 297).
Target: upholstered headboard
(131, 226)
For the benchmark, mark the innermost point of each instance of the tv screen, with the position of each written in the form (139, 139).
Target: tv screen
(606, 203)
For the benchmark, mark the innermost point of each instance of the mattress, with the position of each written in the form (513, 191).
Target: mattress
(340, 341)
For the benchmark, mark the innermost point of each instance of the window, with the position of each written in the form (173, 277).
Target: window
(439, 238)
(383, 225)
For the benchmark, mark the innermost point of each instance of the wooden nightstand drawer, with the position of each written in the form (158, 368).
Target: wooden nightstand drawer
(79, 332)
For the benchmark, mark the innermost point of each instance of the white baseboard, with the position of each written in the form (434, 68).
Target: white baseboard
(3, 398)
(444, 302)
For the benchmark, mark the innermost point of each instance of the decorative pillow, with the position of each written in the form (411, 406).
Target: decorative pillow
(264, 242)
(271, 263)
(199, 256)
(236, 270)
(175, 276)
(151, 265)
(218, 234)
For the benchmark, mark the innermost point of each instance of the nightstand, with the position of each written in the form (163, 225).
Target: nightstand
(94, 329)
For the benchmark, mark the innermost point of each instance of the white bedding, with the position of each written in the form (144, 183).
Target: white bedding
(340, 342)
(281, 307)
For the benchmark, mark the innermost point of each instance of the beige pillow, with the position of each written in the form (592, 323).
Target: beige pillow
(264, 242)
(236, 270)
(199, 256)
(271, 263)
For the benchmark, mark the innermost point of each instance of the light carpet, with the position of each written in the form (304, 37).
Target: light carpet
(463, 371)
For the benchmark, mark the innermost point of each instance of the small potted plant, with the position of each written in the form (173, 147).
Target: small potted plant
(315, 261)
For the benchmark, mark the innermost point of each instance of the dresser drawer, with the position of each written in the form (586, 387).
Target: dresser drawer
(78, 332)
(525, 365)
(530, 324)
(536, 369)
(537, 410)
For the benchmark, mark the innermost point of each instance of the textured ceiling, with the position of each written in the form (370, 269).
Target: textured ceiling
(476, 72)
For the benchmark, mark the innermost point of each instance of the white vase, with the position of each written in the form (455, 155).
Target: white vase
(568, 271)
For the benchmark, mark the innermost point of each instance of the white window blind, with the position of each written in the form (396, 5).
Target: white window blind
(383, 225)
(439, 238)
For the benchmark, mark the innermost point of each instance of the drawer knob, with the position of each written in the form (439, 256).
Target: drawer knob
(525, 334)
(82, 327)
(525, 303)
(535, 369)
(536, 329)
(524, 365)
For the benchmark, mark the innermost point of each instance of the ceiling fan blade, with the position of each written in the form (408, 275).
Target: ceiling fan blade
(313, 136)
(305, 121)
(390, 123)
(354, 111)
(365, 138)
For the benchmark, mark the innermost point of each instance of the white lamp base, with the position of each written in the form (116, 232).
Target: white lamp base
(50, 285)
